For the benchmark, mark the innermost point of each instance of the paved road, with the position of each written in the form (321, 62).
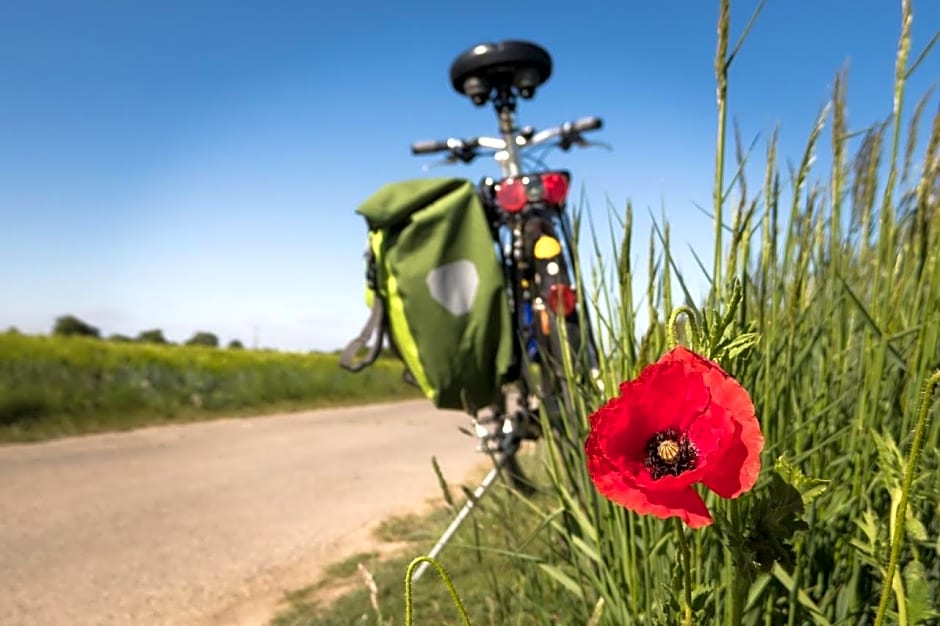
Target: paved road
(208, 523)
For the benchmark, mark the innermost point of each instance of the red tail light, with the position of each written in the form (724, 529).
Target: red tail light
(561, 296)
(511, 195)
(556, 187)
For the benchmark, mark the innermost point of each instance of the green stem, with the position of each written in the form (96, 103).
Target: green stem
(738, 596)
(899, 525)
(900, 76)
(686, 562)
(721, 76)
(409, 609)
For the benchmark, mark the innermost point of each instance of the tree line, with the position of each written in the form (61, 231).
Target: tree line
(72, 326)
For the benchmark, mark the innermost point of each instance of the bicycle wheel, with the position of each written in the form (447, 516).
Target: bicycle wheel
(558, 310)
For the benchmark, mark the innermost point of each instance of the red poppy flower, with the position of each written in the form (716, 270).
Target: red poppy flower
(683, 421)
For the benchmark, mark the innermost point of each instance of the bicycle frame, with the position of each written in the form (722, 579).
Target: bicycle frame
(516, 260)
(517, 228)
(513, 234)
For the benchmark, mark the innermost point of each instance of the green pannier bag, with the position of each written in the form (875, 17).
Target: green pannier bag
(437, 291)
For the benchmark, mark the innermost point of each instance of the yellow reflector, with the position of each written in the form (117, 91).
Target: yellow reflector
(547, 247)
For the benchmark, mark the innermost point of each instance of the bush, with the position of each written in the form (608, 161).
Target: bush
(69, 325)
(203, 339)
(152, 336)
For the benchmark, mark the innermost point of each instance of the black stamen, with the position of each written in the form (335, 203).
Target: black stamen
(677, 462)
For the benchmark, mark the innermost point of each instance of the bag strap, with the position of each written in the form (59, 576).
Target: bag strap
(376, 323)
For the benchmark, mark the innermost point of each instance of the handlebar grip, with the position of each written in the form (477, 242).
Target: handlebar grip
(587, 123)
(425, 147)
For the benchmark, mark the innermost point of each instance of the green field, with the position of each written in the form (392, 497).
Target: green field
(56, 386)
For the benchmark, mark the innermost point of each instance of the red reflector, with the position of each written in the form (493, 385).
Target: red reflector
(561, 295)
(556, 187)
(511, 195)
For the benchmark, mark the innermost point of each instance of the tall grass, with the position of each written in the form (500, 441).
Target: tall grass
(842, 286)
(53, 386)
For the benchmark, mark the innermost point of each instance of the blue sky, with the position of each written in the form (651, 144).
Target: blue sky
(196, 165)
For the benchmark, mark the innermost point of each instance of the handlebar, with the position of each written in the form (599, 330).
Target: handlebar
(587, 123)
(568, 133)
(428, 147)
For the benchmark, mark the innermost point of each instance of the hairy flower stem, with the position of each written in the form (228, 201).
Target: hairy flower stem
(739, 581)
(738, 596)
(671, 334)
(899, 525)
(409, 608)
(686, 562)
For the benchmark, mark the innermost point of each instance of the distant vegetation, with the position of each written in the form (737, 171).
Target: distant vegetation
(208, 340)
(74, 381)
(72, 326)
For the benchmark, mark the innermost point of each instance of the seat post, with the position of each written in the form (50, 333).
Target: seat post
(505, 104)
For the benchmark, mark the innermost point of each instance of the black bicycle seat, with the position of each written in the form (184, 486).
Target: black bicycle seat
(500, 66)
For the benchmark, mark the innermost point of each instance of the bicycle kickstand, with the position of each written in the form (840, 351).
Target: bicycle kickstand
(461, 516)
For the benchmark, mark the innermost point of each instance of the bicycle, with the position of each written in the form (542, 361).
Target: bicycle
(526, 211)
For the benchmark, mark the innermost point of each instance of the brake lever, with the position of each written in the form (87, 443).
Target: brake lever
(450, 159)
(584, 143)
(575, 138)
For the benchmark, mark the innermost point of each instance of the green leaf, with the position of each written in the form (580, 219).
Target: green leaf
(703, 604)
(445, 488)
(890, 460)
(585, 549)
(732, 347)
(871, 548)
(597, 613)
(809, 488)
(574, 508)
(915, 528)
(773, 518)
(919, 605)
(869, 525)
(563, 578)
(805, 601)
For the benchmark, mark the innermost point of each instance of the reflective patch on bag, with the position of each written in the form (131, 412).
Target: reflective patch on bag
(454, 286)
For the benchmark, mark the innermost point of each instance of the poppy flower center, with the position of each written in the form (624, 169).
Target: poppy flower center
(670, 452)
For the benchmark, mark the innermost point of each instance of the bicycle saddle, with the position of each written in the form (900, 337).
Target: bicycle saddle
(500, 66)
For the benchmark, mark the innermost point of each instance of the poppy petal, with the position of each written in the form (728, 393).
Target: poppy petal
(736, 469)
(618, 487)
(668, 395)
(686, 504)
(708, 431)
(615, 425)
(739, 467)
(645, 480)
